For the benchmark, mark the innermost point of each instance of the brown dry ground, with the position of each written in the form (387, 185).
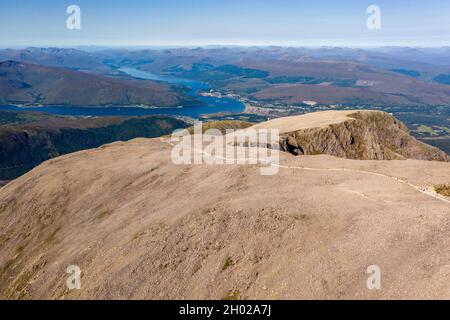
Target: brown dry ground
(306, 121)
(141, 227)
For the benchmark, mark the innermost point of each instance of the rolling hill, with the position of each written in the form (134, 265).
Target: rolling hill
(339, 82)
(31, 84)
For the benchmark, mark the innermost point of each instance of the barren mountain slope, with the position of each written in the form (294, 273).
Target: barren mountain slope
(139, 226)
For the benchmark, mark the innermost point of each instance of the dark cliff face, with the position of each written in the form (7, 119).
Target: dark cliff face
(24, 147)
(369, 135)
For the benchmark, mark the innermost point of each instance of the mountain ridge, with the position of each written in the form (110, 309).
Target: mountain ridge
(32, 84)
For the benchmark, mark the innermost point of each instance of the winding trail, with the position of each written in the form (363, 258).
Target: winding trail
(422, 190)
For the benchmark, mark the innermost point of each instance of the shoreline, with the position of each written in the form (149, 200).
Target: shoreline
(21, 106)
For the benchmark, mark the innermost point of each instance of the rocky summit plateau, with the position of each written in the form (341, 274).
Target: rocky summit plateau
(364, 135)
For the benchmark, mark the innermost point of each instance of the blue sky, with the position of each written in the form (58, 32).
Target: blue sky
(239, 22)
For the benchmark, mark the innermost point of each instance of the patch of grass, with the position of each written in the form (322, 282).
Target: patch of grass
(427, 129)
(3, 239)
(19, 249)
(138, 235)
(231, 295)
(52, 237)
(443, 189)
(228, 263)
(223, 125)
(6, 267)
(299, 216)
(3, 208)
(18, 290)
(105, 214)
(443, 129)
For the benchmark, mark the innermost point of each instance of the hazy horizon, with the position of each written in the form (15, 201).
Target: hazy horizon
(211, 46)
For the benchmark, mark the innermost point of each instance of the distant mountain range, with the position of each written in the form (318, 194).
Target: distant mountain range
(58, 57)
(392, 76)
(327, 75)
(32, 84)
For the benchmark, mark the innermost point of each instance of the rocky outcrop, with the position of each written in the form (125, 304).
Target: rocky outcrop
(364, 135)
